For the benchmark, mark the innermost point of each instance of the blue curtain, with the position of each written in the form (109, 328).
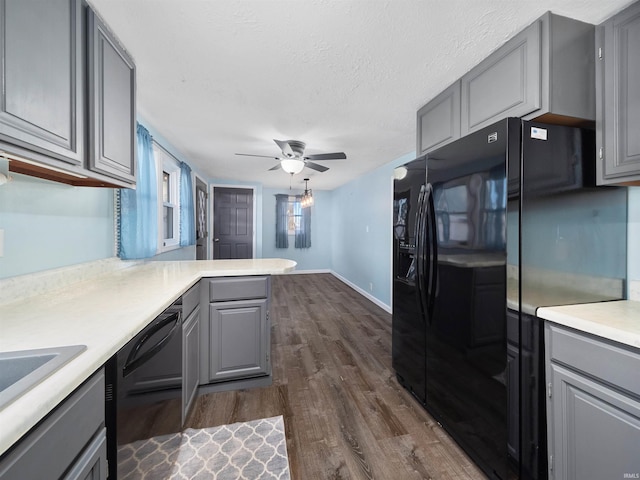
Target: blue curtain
(187, 212)
(138, 219)
(282, 219)
(303, 233)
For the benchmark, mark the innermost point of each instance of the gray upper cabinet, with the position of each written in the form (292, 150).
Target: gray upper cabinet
(42, 70)
(544, 72)
(439, 120)
(593, 406)
(112, 88)
(618, 98)
(506, 84)
(60, 64)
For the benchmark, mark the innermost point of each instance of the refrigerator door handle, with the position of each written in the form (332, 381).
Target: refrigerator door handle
(432, 243)
(419, 252)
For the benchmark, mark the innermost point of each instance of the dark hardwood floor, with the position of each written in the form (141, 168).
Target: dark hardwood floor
(346, 416)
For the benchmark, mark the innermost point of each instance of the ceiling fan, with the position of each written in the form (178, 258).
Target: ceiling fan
(293, 159)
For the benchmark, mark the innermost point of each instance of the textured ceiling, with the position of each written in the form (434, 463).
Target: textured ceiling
(216, 77)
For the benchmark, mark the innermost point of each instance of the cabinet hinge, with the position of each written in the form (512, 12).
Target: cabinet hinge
(600, 53)
(549, 389)
(551, 463)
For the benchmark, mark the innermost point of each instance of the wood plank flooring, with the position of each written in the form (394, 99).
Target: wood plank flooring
(346, 416)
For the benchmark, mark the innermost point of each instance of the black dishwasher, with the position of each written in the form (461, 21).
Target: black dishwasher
(144, 390)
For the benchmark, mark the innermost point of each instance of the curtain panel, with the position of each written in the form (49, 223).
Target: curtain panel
(282, 219)
(138, 219)
(303, 232)
(187, 209)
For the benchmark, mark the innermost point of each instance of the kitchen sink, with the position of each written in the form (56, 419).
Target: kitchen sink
(24, 369)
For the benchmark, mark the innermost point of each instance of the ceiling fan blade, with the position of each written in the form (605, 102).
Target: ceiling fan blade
(316, 167)
(276, 167)
(327, 156)
(285, 147)
(251, 155)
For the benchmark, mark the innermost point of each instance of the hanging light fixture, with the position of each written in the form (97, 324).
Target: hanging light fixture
(307, 197)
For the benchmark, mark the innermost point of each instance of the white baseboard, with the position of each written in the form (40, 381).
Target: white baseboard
(304, 272)
(362, 292)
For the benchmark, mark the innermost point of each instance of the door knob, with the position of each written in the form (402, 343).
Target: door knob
(216, 239)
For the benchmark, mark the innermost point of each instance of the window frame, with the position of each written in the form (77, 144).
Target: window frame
(292, 216)
(167, 163)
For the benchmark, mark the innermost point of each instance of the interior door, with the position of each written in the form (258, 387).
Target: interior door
(232, 223)
(201, 220)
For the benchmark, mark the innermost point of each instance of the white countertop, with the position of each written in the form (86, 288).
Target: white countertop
(618, 321)
(103, 313)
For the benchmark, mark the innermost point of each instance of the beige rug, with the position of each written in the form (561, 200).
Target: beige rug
(255, 450)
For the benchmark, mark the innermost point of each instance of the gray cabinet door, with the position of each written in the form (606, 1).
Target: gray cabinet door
(42, 74)
(190, 361)
(63, 443)
(112, 103)
(439, 120)
(596, 430)
(92, 464)
(506, 84)
(618, 98)
(238, 340)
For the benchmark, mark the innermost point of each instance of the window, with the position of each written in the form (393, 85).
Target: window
(294, 216)
(169, 208)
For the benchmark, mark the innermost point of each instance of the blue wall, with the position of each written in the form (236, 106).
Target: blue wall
(50, 225)
(318, 257)
(362, 211)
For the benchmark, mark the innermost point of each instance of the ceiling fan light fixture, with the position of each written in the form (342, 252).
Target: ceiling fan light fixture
(292, 165)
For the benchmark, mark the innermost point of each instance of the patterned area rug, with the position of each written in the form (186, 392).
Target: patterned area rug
(255, 450)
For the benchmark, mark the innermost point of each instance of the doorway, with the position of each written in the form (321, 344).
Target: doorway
(202, 233)
(233, 221)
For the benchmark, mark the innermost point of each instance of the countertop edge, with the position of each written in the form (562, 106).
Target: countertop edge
(617, 321)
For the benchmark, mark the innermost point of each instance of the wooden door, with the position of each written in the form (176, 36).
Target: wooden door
(232, 223)
(202, 232)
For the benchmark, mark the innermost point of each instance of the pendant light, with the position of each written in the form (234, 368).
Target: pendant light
(307, 197)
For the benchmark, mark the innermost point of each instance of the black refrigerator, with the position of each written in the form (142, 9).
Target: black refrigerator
(482, 229)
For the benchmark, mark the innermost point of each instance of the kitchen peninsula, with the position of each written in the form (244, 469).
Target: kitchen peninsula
(101, 312)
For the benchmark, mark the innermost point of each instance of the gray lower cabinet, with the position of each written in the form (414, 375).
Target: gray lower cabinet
(69, 444)
(593, 406)
(618, 98)
(236, 337)
(439, 120)
(190, 361)
(112, 103)
(42, 70)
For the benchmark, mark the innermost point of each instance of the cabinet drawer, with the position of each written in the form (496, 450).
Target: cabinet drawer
(238, 288)
(190, 300)
(50, 448)
(594, 356)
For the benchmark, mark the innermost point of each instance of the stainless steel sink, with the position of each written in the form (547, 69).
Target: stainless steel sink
(22, 370)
